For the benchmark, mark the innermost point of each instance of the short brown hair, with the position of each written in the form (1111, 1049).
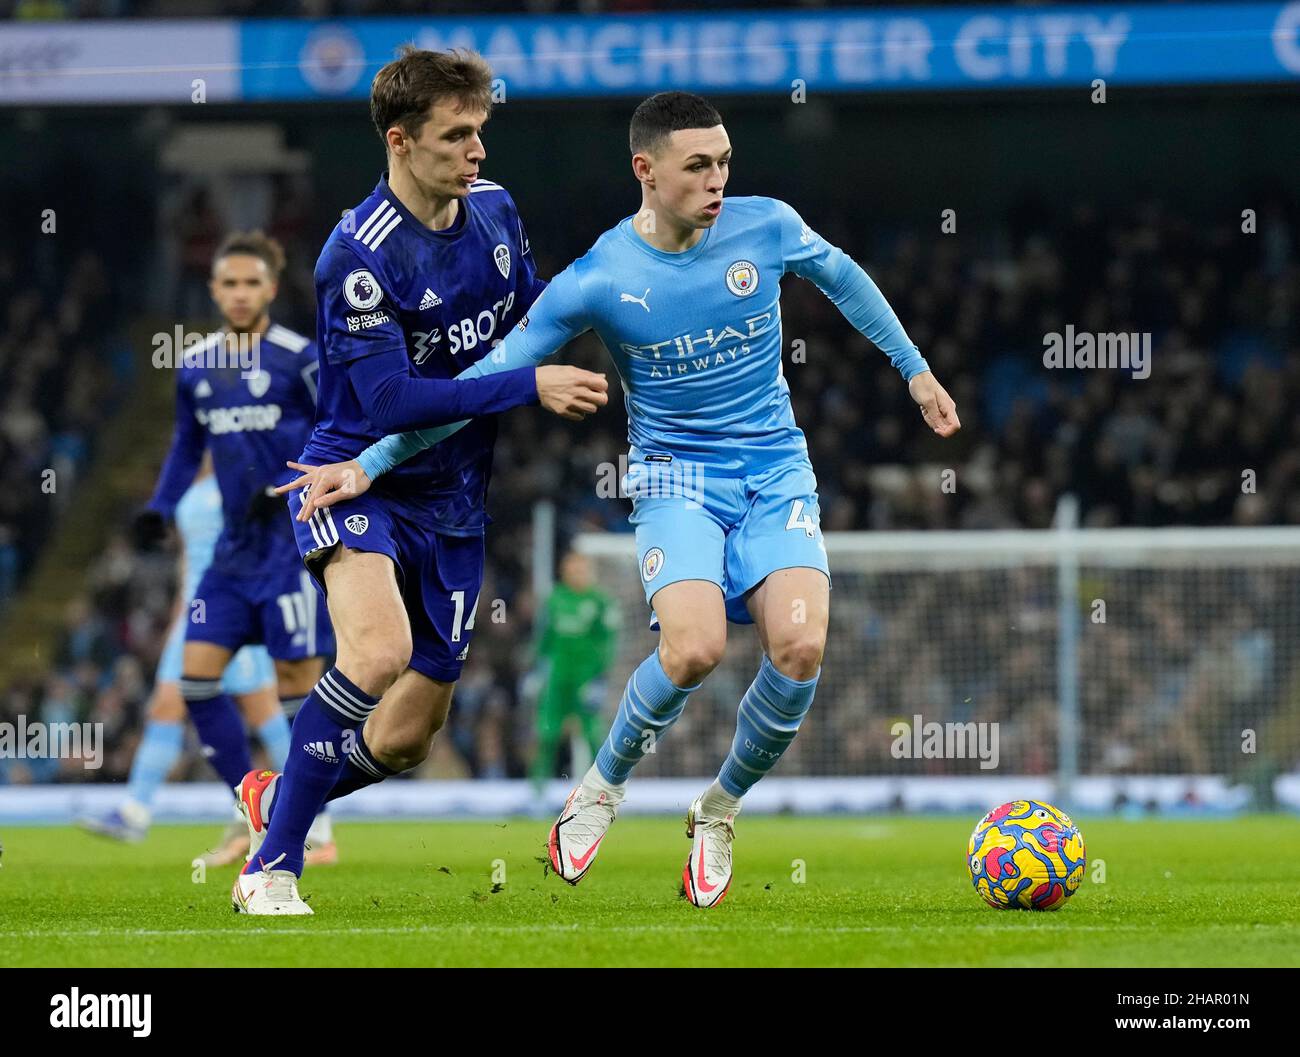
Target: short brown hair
(404, 90)
(256, 243)
(661, 115)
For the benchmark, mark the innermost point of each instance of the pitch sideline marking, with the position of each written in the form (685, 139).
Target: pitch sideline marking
(398, 930)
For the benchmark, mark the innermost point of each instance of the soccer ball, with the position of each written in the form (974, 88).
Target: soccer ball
(1026, 855)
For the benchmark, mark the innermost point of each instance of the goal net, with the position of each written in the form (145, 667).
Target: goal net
(1094, 652)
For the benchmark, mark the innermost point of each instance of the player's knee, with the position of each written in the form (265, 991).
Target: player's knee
(374, 660)
(296, 678)
(799, 656)
(404, 749)
(688, 660)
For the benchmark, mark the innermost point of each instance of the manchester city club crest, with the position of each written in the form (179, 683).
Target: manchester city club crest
(357, 524)
(742, 278)
(651, 564)
(361, 291)
(332, 60)
(502, 256)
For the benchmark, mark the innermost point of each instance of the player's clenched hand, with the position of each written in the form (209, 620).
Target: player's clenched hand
(937, 408)
(327, 485)
(571, 392)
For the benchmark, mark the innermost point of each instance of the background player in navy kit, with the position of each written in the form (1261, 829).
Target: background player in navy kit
(254, 591)
(250, 679)
(413, 286)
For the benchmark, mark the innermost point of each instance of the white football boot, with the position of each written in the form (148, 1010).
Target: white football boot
(267, 891)
(577, 833)
(707, 873)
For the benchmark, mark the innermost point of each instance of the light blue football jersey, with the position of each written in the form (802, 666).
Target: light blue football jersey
(695, 336)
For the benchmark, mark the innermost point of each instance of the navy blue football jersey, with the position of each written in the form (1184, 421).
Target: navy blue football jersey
(251, 421)
(384, 281)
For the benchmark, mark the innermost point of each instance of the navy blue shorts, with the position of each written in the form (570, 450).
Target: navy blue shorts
(440, 576)
(278, 607)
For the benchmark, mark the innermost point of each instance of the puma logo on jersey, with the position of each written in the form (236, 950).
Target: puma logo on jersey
(632, 299)
(429, 300)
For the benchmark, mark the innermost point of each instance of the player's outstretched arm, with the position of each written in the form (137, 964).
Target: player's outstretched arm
(860, 301)
(554, 319)
(569, 392)
(572, 393)
(395, 400)
(360, 331)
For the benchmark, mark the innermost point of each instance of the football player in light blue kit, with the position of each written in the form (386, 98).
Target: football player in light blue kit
(249, 678)
(685, 295)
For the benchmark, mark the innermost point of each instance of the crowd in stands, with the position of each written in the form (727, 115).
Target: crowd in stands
(63, 366)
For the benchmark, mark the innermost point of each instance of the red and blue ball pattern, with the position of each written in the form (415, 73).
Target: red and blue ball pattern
(1026, 855)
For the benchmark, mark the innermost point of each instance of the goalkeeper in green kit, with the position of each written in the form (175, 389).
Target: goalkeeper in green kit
(576, 642)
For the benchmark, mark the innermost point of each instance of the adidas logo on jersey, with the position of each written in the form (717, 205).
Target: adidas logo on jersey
(429, 300)
(322, 750)
(203, 389)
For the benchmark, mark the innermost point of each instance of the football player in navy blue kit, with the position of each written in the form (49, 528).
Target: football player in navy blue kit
(414, 285)
(246, 394)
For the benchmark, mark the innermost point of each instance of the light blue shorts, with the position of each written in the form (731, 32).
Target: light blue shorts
(731, 531)
(249, 669)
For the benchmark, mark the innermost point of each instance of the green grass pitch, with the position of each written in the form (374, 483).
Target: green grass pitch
(886, 891)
